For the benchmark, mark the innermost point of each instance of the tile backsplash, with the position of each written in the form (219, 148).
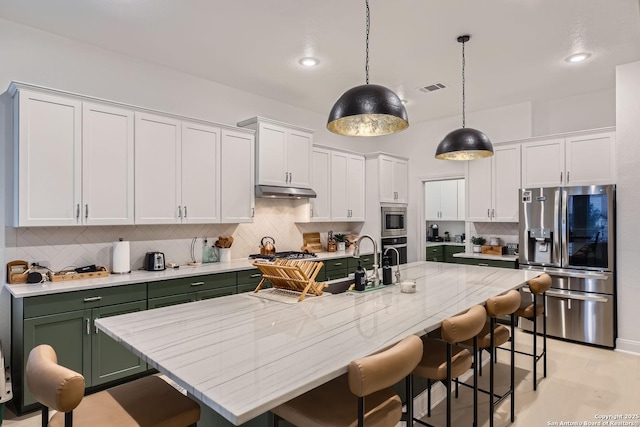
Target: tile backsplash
(507, 232)
(77, 246)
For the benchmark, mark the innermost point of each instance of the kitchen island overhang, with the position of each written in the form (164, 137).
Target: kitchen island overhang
(242, 355)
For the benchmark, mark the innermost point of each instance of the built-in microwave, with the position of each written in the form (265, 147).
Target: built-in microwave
(394, 221)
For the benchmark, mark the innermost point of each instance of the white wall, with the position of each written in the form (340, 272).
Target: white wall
(628, 204)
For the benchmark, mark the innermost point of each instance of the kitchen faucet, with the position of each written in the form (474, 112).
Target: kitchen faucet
(397, 274)
(356, 254)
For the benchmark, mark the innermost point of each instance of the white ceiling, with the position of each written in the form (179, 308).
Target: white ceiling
(516, 52)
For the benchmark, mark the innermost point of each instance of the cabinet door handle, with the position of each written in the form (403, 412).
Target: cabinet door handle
(86, 211)
(253, 276)
(197, 284)
(560, 177)
(96, 327)
(179, 211)
(489, 213)
(78, 211)
(568, 176)
(185, 212)
(337, 264)
(253, 212)
(311, 211)
(92, 299)
(290, 177)
(493, 213)
(88, 323)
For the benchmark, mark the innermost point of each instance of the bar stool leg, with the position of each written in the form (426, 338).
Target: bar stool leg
(448, 385)
(475, 384)
(535, 341)
(491, 371)
(544, 333)
(429, 398)
(409, 398)
(513, 364)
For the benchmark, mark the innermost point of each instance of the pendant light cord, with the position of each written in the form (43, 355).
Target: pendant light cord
(463, 84)
(366, 66)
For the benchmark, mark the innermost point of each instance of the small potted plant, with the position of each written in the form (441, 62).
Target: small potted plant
(477, 243)
(342, 240)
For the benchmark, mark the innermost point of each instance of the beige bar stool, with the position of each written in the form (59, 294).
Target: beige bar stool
(531, 310)
(148, 401)
(362, 396)
(494, 335)
(443, 359)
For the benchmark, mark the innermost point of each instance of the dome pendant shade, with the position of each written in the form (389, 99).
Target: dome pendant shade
(464, 144)
(368, 110)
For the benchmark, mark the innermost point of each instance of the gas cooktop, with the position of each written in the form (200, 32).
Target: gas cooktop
(284, 255)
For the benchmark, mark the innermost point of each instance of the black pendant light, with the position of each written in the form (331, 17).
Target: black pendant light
(368, 110)
(464, 143)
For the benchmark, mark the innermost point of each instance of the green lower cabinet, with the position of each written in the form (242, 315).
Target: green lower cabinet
(66, 333)
(170, 300)
(335, 269)
(248, 280)
(215, 293)
(435, 253)
(449, 250)
(110, 361)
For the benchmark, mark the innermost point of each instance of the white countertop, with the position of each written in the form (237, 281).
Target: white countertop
(242, 355)
(444, 243)
(23, 290)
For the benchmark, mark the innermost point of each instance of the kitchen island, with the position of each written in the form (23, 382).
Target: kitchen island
(242, 355)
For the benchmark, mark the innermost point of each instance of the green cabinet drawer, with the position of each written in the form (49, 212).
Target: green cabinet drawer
(336, 268)
(170, 300)
(435, 253)
(250, 287)
(191, 284)
(80, 300)
(215, 293)
(366, 261)
(487, 262)
(249, 277)
(450, 250)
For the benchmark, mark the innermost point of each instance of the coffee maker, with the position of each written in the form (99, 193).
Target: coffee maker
(433, 234)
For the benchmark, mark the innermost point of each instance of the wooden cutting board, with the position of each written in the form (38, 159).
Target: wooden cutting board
(492, 250)
(311, 242)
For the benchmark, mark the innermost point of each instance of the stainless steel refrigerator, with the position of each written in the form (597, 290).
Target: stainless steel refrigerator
(569, 232)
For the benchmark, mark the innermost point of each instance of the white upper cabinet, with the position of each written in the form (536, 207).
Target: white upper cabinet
(107, 165)
(283, 153)
(200, 182)
(347, 186)
(393, 178)
(177, 171)
(493, 184)
(585, 159)
(49, 151)
(75, 161)
(442, 200)
(320, 172)
(237, 176)
(158, 169)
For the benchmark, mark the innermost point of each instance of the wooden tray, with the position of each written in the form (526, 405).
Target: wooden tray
(292, 275)
(67, 275)
(492, 250)
(15, 277)
(311, 242)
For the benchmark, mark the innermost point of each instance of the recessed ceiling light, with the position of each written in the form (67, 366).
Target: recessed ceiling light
(308, 61)
(578, 57)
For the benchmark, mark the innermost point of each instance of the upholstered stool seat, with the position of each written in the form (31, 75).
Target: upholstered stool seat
(434, 366)
(361, 397)
(148, 401)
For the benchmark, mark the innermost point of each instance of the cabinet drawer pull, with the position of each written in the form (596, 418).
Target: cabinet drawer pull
(482, 264)
(92, 299)
(253, 276)
(366, 259)
(197, 284)
(337, 264)
(88, 323)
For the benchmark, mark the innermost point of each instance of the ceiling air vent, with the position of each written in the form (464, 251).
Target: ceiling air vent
(432, 87)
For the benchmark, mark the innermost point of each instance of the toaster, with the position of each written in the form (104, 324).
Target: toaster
(154, 261)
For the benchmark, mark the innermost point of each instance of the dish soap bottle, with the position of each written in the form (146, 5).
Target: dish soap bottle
(360, 278)
(387, 276)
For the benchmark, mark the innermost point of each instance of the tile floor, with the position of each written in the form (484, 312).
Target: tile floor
(582, 383)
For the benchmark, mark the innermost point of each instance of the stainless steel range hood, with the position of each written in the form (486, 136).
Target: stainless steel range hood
(272, 191)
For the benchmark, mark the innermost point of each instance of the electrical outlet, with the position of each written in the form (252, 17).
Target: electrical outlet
(41, 263)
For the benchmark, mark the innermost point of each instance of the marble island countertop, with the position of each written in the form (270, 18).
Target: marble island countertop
(242, 355)
(23, 290)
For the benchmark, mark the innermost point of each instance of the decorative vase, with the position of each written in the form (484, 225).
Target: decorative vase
(477, 249)
(341, 246)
